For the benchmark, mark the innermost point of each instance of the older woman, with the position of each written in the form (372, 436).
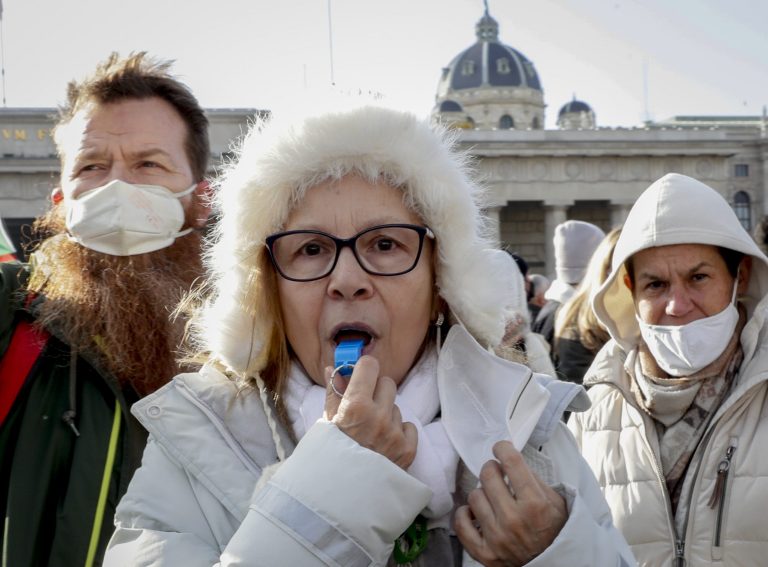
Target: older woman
(357, 232)
(678, 428)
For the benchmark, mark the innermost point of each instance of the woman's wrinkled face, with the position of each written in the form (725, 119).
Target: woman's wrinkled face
(391, 313)
(680, 283)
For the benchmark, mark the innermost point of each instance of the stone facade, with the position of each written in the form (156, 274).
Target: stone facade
(535, 179)
(538, 179)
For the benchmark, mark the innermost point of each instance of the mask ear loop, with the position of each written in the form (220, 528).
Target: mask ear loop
(179, 195)
(735, 285)
(186, 191)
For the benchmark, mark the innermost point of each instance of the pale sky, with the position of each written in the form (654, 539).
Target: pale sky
(629, 59)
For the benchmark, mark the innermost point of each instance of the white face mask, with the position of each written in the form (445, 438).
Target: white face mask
(682, 350)
(485, 399)
(122, 219)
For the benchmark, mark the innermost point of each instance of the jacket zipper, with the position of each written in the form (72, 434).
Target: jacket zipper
(718, 497)
(680, 544)
(679, 553)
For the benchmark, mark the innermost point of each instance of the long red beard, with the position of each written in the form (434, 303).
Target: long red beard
(116, 308)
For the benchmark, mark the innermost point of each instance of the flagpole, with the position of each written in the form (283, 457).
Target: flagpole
(330, 41)
(2, 50)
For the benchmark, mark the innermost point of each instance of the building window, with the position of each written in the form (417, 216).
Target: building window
(502, 66)
(742, 209)
(741, 170)
(535, 124)
(506, 122)
(468, 67)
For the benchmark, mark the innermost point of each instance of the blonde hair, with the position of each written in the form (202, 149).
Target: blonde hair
(576, 319)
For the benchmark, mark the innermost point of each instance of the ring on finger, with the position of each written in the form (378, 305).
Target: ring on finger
(333, 377)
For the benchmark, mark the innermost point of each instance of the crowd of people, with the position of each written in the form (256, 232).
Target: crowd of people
(343, 368)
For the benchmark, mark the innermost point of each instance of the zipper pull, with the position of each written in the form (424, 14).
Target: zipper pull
(722, 475)
(679, 553)
(69, 418)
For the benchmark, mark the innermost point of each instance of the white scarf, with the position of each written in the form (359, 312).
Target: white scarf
(419, 402)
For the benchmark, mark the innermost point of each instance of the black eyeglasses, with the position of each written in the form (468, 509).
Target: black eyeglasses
(384, 250)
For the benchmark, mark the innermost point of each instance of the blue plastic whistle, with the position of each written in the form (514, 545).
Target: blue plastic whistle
(347, 354)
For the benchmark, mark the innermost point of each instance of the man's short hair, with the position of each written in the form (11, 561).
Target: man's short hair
(139, 76)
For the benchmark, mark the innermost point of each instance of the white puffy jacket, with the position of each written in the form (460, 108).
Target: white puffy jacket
(620, 442)
(195, 500)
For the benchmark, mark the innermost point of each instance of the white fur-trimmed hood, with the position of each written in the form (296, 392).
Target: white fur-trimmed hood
(282, 157)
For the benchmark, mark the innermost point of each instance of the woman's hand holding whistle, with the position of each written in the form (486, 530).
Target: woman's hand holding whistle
(368, 414)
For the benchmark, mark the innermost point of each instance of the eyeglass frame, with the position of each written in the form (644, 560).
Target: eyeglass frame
(341, 243)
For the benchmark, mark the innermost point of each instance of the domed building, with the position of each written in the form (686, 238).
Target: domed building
(576, 115)
(489, 86)
(538, 178)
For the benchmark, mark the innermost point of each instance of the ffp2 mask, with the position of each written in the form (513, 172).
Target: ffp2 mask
(122, 219)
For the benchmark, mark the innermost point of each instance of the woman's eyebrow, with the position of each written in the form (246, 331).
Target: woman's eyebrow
(699, 266)
(652, 276)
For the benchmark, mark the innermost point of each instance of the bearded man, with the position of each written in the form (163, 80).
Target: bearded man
(85, 328)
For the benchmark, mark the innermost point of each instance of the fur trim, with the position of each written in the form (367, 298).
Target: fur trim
(280, 159)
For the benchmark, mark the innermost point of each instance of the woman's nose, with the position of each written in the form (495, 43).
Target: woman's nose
(678, 302)
(348, 278)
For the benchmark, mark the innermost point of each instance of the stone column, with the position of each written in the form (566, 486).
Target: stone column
(554, 214)
(494, 217)
(764, 144)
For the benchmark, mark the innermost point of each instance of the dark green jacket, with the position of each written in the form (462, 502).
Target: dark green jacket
(58, 490)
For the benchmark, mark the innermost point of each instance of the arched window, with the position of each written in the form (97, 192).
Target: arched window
(741, 207)
(450, 106)
(506, 122)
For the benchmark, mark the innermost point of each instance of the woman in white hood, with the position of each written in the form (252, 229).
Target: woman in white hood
(678, 428)
(358, 233)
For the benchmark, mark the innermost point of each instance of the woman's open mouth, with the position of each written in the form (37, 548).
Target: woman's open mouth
(353, 333)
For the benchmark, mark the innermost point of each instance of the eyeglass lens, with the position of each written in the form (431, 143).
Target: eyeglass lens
(381, 250)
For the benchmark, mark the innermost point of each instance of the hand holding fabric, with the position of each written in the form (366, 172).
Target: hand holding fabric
(368, 414)
(513, 516)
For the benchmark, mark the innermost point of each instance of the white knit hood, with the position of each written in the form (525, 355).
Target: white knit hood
(281, 158)
(674, 210)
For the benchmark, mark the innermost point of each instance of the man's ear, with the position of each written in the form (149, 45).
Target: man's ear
(57, 195)
(201, 204)
(628, 282)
